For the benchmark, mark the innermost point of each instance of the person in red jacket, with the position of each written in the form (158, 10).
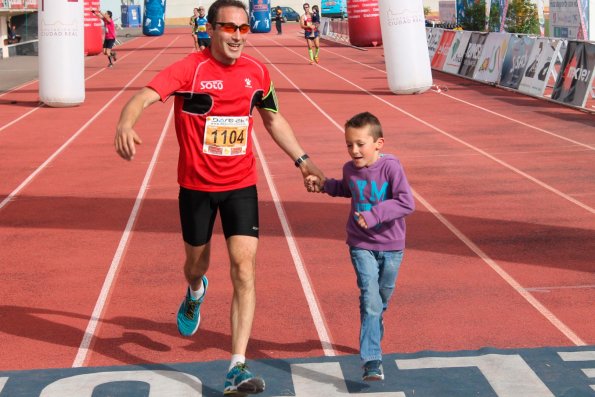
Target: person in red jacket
(110, 35)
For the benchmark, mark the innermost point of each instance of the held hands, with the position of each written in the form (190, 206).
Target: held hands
(311, 174)
(314, 184)
(125, 142)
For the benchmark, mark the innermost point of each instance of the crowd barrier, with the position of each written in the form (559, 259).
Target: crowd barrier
(334, 29)
(559, 69)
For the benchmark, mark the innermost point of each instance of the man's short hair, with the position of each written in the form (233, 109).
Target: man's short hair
(214, 9)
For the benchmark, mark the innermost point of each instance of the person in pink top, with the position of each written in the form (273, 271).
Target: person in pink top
(110, 35)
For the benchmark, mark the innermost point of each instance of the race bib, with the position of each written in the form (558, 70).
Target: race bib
(226, 136)
(202, 28)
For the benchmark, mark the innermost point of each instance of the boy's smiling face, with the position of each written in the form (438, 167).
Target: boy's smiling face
(362, 148)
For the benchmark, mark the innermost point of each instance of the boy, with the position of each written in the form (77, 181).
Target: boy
(380, 200)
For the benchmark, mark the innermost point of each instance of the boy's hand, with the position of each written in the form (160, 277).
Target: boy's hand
(361, 221)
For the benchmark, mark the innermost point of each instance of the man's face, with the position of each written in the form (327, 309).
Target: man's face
(227, 44)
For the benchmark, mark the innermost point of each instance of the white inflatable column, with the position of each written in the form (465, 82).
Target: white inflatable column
(405, 45)
(61, 53)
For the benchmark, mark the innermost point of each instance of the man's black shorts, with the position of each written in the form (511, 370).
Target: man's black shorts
(198, 210)
(204, 42)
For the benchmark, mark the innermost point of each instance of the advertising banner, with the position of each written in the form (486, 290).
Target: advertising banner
(260, 16)
(457, 52)
(539, 66)
(93, 29)
(576, 77)
(434, 40)
(364, 23)
(461, 7)
(154, 17)
(568, 19)
(443, 48)
(491, 58)
(503, 11)
(472, 54)
(447, 11)
(516, 60)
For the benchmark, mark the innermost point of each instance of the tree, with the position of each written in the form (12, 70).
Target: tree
(475, 17)
(427, 11)
(494, 20)
(522, 17)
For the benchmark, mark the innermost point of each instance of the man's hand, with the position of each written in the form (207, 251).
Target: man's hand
(125, 142)
(308, 168)
(314, 184)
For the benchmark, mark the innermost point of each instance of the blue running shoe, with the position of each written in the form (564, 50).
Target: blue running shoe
(240, 382)
(189, 312)
(373, 371)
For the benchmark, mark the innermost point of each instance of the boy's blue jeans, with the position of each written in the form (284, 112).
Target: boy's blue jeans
(376, 273)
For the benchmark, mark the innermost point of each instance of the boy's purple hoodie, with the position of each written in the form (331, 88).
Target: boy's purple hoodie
(383, 196)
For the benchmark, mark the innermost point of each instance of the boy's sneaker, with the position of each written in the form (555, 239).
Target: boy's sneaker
(189, 312)
(373, 371)
(240, 382)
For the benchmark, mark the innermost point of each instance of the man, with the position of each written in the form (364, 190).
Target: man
(110, 35)
(311, 34)
(278, 19)
(194, 26)
(199, 22)
(215, 92)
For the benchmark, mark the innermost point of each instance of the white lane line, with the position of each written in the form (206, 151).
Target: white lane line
(18, 88)
(555, 321)
(551, 317)
(559, 288)
(41, 104)
(302, 273)
(11, 196)
(590, 147)
(83, 349)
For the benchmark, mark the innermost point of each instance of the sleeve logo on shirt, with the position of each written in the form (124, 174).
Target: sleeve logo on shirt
(211, 85)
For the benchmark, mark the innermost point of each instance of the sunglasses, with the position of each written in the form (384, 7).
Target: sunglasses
(230, 27)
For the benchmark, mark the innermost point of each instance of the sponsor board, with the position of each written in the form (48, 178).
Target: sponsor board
(540, 65)
(472, 54)
(492, 56)
(540, 372)
(575, 80)
(516, 60)
(456, 52)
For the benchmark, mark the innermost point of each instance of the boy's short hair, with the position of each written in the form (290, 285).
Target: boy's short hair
(214, 9)
(366, 119)
(109, 13)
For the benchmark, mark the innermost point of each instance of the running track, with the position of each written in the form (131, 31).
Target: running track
(500, 253)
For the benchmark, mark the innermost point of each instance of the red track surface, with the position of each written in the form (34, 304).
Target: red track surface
(500, 250)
